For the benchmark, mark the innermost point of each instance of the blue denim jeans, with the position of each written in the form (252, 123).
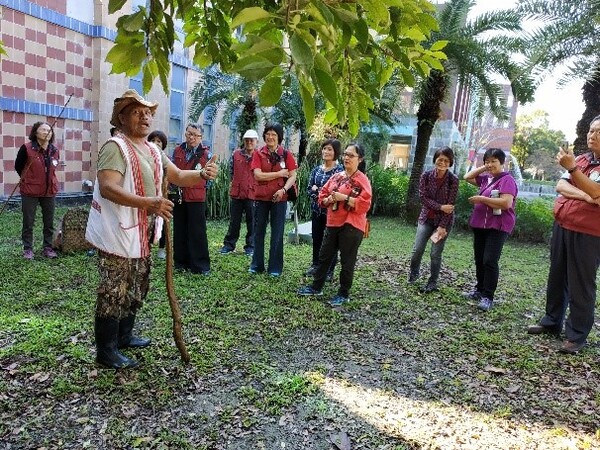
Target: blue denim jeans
(265, 212)
(424, 232)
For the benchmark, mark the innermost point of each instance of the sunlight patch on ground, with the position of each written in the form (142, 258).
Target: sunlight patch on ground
(440, 426)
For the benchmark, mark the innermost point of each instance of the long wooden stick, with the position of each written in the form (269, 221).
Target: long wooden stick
(173, 302)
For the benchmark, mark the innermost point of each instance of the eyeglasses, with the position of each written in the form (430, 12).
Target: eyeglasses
(190, 134)
(349, 155)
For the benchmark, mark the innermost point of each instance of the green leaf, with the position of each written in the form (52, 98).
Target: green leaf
(327, 86)
(134, 22)
(325, 11)
(421, 68)
(377, 12)
(400, 54)
(330, 115)
(428, 21)
(253, 68)
(308, 104)
(415, 34)
(322, 63)
(126, 59)
(270, 92)
(301, 52)
(434, 63)
(407, 76)
(344, 15)
(249, 15)
(438, 45)
(361, 31)
(265, 49)
(115, 5)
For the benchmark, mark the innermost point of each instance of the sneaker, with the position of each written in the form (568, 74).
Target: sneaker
(338, 300)
(48, 252)
(249, 252)
(473, 296)
(274, 274)
(570, 347)
(28, 254)
(310, 271)
(161, 254)
(255, 271)
(225, 250)
(485, 304)
(308, 290)
(430, 287)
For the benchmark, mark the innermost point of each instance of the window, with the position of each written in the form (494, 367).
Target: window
(208, 115)
(177, 103)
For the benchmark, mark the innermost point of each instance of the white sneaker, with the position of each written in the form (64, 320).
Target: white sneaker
(162, 253)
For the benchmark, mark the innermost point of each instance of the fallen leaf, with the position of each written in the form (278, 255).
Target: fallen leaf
(497, 370)
(341, 441)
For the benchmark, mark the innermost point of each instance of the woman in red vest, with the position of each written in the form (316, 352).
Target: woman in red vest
(274, 172)
(36, 165)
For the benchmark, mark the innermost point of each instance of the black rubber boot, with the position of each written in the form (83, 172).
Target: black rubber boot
(126, 337)
(107, 353)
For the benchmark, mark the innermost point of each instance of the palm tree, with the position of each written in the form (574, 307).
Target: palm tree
(569, 36)
(474, 56)
(230, 92)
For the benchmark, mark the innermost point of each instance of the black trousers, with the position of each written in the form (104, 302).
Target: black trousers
(574, 261)
(318, 226)
(190, 243)
(487, 247)
(237, 207)
(346, 239)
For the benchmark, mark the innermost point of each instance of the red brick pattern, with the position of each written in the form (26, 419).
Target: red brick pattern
(45, 64)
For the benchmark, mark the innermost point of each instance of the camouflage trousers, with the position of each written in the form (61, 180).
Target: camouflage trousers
(124, 284)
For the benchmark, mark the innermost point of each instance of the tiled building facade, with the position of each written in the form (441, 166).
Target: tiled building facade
(56, 53)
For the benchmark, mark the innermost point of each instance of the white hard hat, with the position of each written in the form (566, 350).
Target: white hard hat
(250, 134)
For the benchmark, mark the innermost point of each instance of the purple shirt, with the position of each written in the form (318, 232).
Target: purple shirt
(482, 216)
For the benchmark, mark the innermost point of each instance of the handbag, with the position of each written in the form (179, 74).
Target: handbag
(292, 193)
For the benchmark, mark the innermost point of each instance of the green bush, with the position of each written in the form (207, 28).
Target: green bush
(534, 220)
(389, 191)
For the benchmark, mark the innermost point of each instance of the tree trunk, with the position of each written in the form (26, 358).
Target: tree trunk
(302, 146)
(431, 99)
(591, 98)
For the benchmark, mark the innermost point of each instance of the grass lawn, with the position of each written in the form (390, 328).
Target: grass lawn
(393, 369)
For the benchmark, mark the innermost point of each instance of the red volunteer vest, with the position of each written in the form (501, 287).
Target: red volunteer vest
(196, 193)
(39, 179)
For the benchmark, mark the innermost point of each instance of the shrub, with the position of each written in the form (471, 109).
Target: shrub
(389, 191)
(534, 220)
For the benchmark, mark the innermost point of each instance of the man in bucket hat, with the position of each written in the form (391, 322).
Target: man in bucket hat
(126, 216)
(242, 179)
